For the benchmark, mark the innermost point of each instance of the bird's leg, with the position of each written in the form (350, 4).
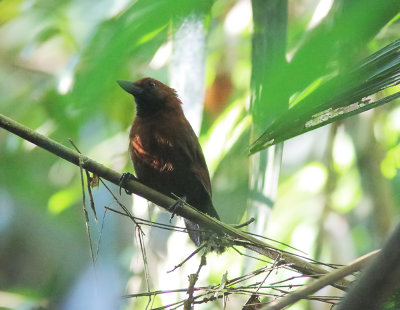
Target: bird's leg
(125, 178)
(176, 205)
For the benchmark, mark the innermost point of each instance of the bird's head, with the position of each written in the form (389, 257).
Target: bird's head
(151, 96)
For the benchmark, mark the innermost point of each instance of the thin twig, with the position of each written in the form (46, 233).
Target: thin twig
(149, 223)
(274, 265)
(86, 215)
(213, 288)
(101, 233)
(275, 241)
(192, 282)
(129, 214)
(140, 235)
(247, 223)
(158, 224)
(88, 181)
(250, 256)
(187, 258)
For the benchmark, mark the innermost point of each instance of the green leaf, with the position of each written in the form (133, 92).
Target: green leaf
(336, 42)
(63, 199)
(345, 95)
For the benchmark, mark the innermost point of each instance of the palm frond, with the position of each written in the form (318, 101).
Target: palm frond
(369, 84)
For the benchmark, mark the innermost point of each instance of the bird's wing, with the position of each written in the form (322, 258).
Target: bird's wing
(192, 149)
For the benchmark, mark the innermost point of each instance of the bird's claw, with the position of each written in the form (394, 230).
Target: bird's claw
(176, 205)
(125, 178)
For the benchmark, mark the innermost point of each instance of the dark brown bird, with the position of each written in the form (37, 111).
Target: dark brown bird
(165, 151)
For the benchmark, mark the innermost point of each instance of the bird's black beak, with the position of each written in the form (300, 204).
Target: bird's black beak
(130, 87)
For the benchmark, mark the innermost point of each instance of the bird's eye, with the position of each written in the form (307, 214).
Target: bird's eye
(152, 84)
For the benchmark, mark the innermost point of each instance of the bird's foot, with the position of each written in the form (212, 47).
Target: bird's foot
(125, 178)
(176, 205)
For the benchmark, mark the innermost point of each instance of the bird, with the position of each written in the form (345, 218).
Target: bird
(166, 152)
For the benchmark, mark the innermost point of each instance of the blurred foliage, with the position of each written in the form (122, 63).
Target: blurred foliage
(59, 63)
(393, 302)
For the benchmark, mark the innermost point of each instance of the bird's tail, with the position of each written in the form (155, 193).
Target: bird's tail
(194, 232)
(194, 229)
(198, 235)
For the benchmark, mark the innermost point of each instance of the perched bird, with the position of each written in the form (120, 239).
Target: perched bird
(165, 151)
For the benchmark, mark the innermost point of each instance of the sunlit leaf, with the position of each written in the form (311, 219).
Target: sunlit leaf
(9, 9)
(63, 199)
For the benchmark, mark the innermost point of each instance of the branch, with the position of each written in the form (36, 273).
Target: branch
(328, 279)
(165, 202)
(380, 279)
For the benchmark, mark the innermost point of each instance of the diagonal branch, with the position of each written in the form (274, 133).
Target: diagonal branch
(296, 263)
(379, 280)
(309, 289)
